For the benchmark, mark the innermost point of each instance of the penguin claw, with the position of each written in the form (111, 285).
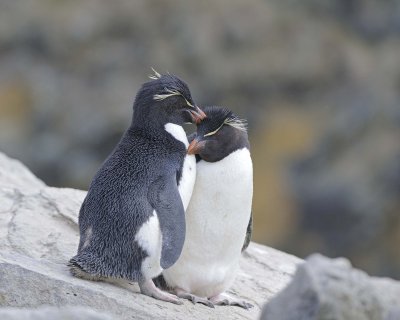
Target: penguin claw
(243, 304)
(226, 300)
(204, 301)
(195, 299)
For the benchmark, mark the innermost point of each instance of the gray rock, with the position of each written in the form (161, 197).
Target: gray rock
(46, 313)
(324, 288)
(13, 174)
(39, 233)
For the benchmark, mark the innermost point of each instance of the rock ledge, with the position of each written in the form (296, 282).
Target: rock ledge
(39, 233)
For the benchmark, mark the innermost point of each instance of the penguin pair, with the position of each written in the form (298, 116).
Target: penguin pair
(218, 218)
(132, 221)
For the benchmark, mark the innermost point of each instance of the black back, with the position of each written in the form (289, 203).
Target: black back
(117, 203)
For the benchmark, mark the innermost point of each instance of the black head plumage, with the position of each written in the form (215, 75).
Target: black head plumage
(166, 98)
(218, 135)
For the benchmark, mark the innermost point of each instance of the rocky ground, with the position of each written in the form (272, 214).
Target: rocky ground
(39, 233)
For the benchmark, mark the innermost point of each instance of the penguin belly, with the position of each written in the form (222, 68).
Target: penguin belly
(216, 224)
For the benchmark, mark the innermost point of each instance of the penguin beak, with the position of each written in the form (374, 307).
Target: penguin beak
(197, 115)
(195, 146)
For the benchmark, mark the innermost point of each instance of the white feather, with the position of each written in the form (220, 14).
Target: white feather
(188, 177)
(154, 76)
(237, 123)
(216, 223)
(169, 93)
(177, 132)
(149, 239)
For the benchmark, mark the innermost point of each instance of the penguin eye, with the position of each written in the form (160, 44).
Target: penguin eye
(213, 132)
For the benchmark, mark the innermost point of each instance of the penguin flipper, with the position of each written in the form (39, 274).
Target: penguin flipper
(248, 233)
(166, 201)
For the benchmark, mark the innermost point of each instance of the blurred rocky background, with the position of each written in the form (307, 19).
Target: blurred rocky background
(318, 80)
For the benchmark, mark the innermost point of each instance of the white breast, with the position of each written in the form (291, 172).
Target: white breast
(186, 183)
(216, 223)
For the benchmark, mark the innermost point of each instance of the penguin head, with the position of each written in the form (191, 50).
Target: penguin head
(218, 135)
(165, 99)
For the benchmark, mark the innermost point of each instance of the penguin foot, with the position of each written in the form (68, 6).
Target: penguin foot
(148, 288)
(195, 299)
(224, 299)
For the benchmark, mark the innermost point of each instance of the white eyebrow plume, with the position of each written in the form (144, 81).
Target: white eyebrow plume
(154, 76)
(237, 123)
(169, 93)
(234, 122)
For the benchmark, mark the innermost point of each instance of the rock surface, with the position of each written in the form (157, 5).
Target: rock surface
(46, 313)
(39, 233)
(323, 288)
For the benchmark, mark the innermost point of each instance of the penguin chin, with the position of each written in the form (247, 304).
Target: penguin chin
(209, 150)
(208, 158)
(214, 156)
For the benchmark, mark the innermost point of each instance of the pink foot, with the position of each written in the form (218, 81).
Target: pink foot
(148, 288)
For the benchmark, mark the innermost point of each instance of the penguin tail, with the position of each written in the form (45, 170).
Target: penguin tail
(77, 271)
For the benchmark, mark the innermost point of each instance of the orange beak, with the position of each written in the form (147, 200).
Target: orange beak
(195, 146)
(197, 115)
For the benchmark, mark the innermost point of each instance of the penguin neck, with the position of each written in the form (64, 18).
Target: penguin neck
(147, 122)
(177, 132)
(152, 126)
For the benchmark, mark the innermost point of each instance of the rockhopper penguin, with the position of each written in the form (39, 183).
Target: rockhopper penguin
(218, 218)
(132, 221)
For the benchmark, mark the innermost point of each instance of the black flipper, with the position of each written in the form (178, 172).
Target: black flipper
(248, 233)
(166, 201)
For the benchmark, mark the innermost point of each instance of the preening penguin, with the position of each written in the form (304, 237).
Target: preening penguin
(218, 218)
(132, 221)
